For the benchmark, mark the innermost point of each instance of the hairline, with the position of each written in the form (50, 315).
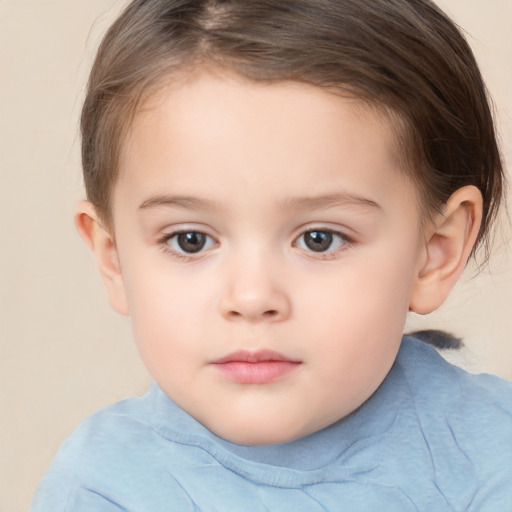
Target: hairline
(176, 76)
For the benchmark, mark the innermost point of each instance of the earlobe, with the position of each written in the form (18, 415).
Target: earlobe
(447, 249)
(103, 247)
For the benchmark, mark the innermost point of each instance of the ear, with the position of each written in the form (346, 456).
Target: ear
(103, 247)
(447, 249)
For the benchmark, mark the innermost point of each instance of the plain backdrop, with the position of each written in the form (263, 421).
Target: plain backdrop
(64, 353)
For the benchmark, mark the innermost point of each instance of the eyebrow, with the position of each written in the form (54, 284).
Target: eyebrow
(327, 201)
(185, 202)
(293, 204)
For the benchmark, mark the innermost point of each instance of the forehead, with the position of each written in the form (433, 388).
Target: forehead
(191, 95)
(212, 127)
(193, 92)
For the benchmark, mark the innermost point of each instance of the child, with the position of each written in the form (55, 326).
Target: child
(271, 187)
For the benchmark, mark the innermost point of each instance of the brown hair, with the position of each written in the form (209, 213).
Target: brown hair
(405, 56)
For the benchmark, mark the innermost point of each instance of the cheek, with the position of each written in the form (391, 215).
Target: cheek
(164, 310)
(357, 315)
(356, 291)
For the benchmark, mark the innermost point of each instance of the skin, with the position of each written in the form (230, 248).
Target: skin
(256, 169)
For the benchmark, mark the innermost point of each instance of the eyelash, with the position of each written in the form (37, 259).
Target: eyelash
(164, 244)
(344, 241)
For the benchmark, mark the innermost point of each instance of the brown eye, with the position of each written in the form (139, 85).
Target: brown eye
(189, 242)
(318, 240)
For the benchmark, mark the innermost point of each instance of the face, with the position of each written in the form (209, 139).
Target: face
(268, 244)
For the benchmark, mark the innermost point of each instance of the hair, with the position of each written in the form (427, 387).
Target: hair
(405, 57)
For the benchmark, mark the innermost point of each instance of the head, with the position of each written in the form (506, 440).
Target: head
(282, 177)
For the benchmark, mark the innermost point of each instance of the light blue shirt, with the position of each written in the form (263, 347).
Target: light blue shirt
(432, 438)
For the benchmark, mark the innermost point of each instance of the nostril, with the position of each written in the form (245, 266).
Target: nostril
(271, 313)
(269, 306)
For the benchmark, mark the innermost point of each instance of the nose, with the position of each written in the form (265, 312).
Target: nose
(254, 292)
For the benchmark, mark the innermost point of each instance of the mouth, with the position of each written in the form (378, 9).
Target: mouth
(262, 367)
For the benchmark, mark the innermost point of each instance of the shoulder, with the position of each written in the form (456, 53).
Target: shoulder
(83, 453)
(110, 429)
(113, 458)
(432, 378)
(465, 422)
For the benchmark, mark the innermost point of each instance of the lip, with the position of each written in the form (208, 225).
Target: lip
(261, 367)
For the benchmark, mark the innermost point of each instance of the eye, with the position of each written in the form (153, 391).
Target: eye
(321, 240)
(189, 242)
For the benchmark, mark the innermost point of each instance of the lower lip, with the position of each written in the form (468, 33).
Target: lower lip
(262, 372)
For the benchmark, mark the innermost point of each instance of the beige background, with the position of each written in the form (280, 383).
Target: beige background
(64, 354)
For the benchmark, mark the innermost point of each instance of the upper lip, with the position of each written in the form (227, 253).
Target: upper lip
(246, 356)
